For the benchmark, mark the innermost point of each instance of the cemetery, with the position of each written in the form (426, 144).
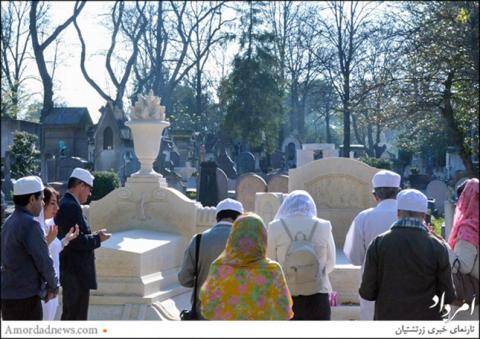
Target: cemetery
(164, 152)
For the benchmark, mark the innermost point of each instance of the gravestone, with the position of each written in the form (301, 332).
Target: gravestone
(226, 164)
(267, 205)
(340, 187)
(65, 167)
(247, 186)
(460, 182)
(438, 190)
(245, 163)
(7, 185)
(277, 160)
(207, 192)
(278, 183)
(419, 181)
(222, 184)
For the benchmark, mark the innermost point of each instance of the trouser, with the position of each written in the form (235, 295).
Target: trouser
(22, 309)
(367, 309)
(75, 300)
(311, 307)
(50, 309)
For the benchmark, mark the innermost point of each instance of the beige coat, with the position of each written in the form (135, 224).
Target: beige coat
(278, 243)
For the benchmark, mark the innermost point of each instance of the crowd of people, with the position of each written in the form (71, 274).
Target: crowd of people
(246, 270)
(47, 242)
(242, 269)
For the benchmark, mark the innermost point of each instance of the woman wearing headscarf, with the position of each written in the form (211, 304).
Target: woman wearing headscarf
(463, 239)
(297, 219)
(243, 284)
(55, 246)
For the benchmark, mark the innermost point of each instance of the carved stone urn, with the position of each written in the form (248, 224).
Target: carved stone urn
(147, 124)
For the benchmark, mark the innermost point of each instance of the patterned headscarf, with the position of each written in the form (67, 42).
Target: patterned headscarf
(465, 221)
(243, 284)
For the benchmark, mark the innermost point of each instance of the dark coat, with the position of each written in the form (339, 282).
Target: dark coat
(77, 260)
(404, 269)
(26, 262)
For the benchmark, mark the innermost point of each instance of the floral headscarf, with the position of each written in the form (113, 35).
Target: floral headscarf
(243, 284)
(465, 221)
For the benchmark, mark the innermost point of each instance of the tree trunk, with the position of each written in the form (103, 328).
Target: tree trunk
(198, 89)
(293, 104)
(327, 127)
(346, 116)
(457, 133)
(371, 145)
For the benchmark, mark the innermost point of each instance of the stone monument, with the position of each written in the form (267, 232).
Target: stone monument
(341, 188)
(151, 225)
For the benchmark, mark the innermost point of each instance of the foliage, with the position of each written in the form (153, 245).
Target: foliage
(25, 156)
(438, 99)
(377, 162)
(104, 183)
(252, 93)
(184, 115)
(437, 225)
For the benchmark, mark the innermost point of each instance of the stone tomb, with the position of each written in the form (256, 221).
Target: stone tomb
(151, 225)
(222, 184)
(247, 186)
(278, 183)
(438, 190)
(245, 163)
(340, 187)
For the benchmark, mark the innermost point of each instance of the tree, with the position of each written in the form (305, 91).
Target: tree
(297, 50)
(25, 155)
(168, 47)
(132, 23)
(252, 93)
(40, 47)
(347, 34)
(441, 77)
(14, 41)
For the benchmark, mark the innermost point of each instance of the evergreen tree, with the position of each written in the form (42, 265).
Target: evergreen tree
(252, 93)
(25, 155)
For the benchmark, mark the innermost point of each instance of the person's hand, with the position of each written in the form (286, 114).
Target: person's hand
(52, 234)
(73, 233)
(50, 296)
(104, 235)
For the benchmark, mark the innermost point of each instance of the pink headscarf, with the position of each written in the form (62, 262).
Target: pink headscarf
(465, 221)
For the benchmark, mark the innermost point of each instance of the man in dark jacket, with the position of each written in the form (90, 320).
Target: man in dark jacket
(27, 269)
(407, 270)
(77, 260)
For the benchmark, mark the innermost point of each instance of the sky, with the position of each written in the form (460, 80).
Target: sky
(69, 84)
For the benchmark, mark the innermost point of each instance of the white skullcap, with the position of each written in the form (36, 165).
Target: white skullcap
(27, 185)
(230, 204)
(83, 175)
(412, 200)
(386, 178)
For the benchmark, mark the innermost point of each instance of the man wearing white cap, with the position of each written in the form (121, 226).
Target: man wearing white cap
(212, 243)
(27, 269)
(370, 223)
(77, 260)
(407, 268)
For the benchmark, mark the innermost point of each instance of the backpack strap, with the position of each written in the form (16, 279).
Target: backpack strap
(312, 231)
(286, 229)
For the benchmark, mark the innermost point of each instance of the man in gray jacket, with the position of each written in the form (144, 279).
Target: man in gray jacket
(212, 244)
(27, 268)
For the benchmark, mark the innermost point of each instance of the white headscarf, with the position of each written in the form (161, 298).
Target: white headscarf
(41, 220)
(297, 203)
